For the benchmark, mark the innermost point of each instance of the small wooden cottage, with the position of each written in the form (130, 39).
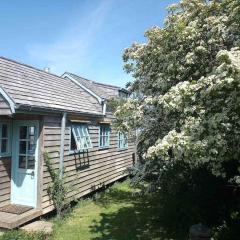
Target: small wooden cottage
(68, 118)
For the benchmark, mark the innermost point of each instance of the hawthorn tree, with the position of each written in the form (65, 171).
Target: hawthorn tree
(188, 77)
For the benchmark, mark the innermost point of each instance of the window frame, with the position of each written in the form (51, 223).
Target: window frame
(122, 137)
(108, 128)
(86, 134)
(8, 138)
(123, 94)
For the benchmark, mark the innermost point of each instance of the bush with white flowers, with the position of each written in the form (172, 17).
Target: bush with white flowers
(188, 74)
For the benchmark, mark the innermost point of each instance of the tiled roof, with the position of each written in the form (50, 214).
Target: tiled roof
(102, 90)
(34, 88)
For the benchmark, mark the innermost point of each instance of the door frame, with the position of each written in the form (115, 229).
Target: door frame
(14, 167)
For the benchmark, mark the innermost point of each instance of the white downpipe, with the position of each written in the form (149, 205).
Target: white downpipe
(63, 126)
(104, 107)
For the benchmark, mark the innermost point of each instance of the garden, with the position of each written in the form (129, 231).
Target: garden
(184, 114)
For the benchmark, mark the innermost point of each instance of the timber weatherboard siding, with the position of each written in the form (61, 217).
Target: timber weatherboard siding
(5, 174)
(5, 180)
(37, 95)
(4, 107)
(6, 162)
(84, 172)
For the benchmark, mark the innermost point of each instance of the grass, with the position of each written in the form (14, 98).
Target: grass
(21, 235)
(118, 214)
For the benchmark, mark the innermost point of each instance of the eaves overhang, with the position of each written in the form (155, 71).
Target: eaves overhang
(8, 99)
(24, 108)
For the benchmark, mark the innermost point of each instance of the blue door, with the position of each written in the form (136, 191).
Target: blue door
(24, 163)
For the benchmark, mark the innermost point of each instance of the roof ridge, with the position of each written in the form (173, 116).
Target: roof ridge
(29, 66)
(95, 82)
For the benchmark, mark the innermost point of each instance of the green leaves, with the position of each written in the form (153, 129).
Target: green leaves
(189, 75)
(57, 190)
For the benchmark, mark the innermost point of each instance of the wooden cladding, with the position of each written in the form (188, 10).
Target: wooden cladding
(5, 180)
(85, 171)
(4, 107)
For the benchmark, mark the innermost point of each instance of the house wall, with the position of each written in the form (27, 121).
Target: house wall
(5, 180)
(84, 172)
(6, 162)
(5, 168)
(4, 107)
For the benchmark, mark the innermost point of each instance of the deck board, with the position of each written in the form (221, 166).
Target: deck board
(10, 221)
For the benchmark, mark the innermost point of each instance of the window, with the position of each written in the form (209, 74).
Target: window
(27, 147)
(104, 136)
(80, 139)
(4, 139)
(122, 140)
(123, 94)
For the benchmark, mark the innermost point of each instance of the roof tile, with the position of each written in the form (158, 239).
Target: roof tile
(28, 86)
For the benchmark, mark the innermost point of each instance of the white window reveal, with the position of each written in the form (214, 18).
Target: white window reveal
(104, 135)
(5, 148)
(122, 140)
(80, 138)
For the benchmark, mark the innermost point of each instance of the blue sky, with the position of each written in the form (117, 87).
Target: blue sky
(86, 37)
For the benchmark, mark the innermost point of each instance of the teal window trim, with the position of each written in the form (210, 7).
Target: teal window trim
(122, 141)
(104, 136)
(7, 139)
(80, 134)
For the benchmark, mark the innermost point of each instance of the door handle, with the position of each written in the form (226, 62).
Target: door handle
(32, 174)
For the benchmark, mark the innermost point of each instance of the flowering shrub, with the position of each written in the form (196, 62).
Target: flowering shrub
(189, 75)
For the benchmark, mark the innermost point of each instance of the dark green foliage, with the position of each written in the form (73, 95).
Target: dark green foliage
(113, 103)
(189, 197)
(57, 190)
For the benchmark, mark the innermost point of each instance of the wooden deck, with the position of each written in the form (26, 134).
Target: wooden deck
(10, 221)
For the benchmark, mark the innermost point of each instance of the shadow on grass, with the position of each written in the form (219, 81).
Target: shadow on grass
(188, 198)
(115, 196)
(142, 219)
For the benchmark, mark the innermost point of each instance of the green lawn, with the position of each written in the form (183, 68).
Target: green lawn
(118, 214)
